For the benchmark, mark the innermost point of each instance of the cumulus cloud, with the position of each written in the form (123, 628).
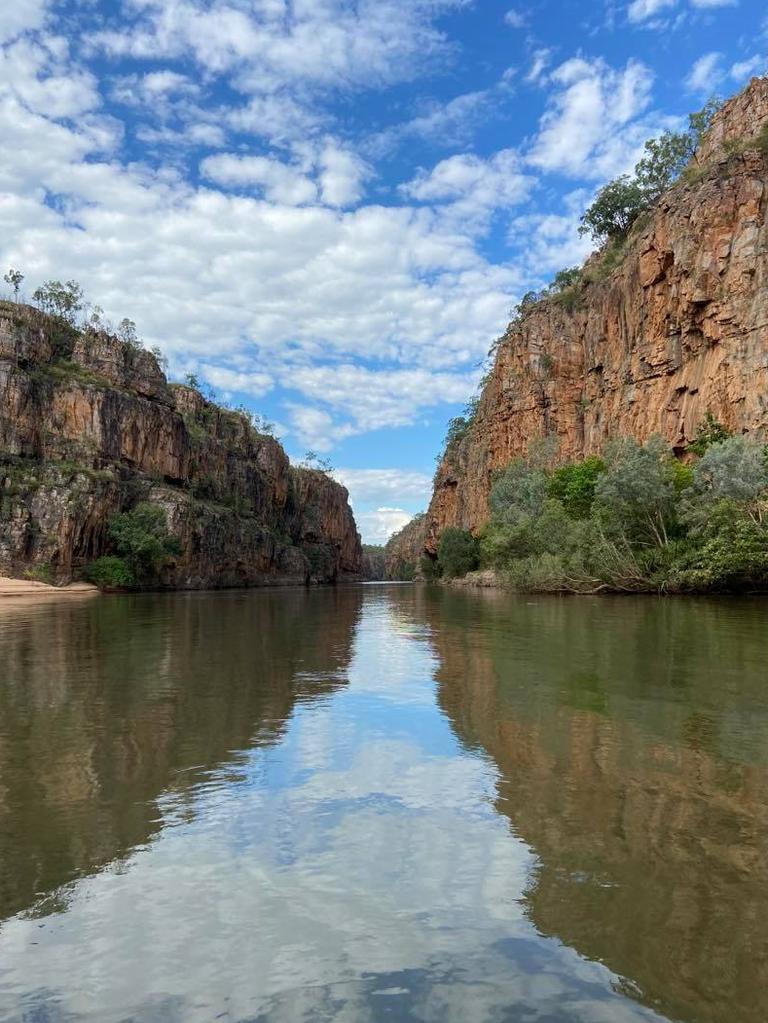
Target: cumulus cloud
(377, 526)
(641, 10)
(16, 18)
(649, 11)
(232, 381)
(369, 399)
(590, 128)
(342, 175)
(552, 240)
(444, 124)
(328, 44)
(382, 486)
(472, 188)
(280, 182)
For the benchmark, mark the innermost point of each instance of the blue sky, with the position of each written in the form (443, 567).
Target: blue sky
(326, 208)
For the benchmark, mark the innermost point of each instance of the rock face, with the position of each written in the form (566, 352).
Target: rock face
(403, 551)
(89, 426)
(678, 329)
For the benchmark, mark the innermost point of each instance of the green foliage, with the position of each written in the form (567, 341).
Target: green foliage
(518, 494)
(567, 278)
(636, 520)
(761, 142)
(457, 552)
(732, 470)
(141, 538)
(711, 432)
(109, 573)
(126, 332)
(430, 568)
(14, 279)
(42, 573)
(57, 299)
(635, 495)
(573, 485)
(666, 157)
(731, 552)
(616, 207)
(620, 202)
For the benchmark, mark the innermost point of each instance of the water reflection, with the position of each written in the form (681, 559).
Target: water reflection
(382, 804)
(105, 705)
(632, 741)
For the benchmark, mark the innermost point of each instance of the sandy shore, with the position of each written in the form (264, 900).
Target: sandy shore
(27, 588)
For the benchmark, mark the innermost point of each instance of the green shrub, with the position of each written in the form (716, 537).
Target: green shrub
(109, 573)
(40, 574)
(142, 540)
(710, 432)
(430, 568)
(457, 552)
(573, 484)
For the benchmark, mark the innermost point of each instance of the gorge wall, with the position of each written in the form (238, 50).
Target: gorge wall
(677, 329)
(89, 426)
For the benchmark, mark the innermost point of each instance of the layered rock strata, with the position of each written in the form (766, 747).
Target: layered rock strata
(89, 425)
(679, 328)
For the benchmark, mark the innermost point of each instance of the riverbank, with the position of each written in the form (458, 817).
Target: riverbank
(10, 588)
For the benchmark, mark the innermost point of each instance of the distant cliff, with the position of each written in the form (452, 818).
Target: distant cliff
(89, 426)
(678, 328)
(404, 549)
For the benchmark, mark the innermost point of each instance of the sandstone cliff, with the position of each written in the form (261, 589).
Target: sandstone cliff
(678, 328)
(89, 426)
(404, 550)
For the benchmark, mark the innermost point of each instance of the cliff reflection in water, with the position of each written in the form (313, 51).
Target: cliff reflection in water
(632, 743)
(108, 705)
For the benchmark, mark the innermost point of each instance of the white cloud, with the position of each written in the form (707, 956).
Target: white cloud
(706, 74)
(280, 182)
(590, 129)
(444, 124)
(377, 526)
(16, 18)
(470, 189)
(383, 486)
(641, 10)
(515, 18)
(375, 399)
(316, 428)
(552, 240)
(331, 43)
(647, 10)
(541, 61)
(40, 76)
(744, 69)
(342, 175)
(229, 380)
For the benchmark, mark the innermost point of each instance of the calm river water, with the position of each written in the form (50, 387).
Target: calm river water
(383, 803)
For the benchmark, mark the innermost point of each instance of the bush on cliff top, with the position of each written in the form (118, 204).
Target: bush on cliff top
(620, 202)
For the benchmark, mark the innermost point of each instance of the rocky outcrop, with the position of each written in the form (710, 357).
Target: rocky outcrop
(403, 551)
(89, 426)
(678, 329)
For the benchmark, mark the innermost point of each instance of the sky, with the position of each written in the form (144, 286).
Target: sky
(326, 209)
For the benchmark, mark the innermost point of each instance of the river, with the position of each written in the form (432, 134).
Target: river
(383, 803)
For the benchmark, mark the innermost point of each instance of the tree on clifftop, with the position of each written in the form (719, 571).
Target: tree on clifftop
(14, 279)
